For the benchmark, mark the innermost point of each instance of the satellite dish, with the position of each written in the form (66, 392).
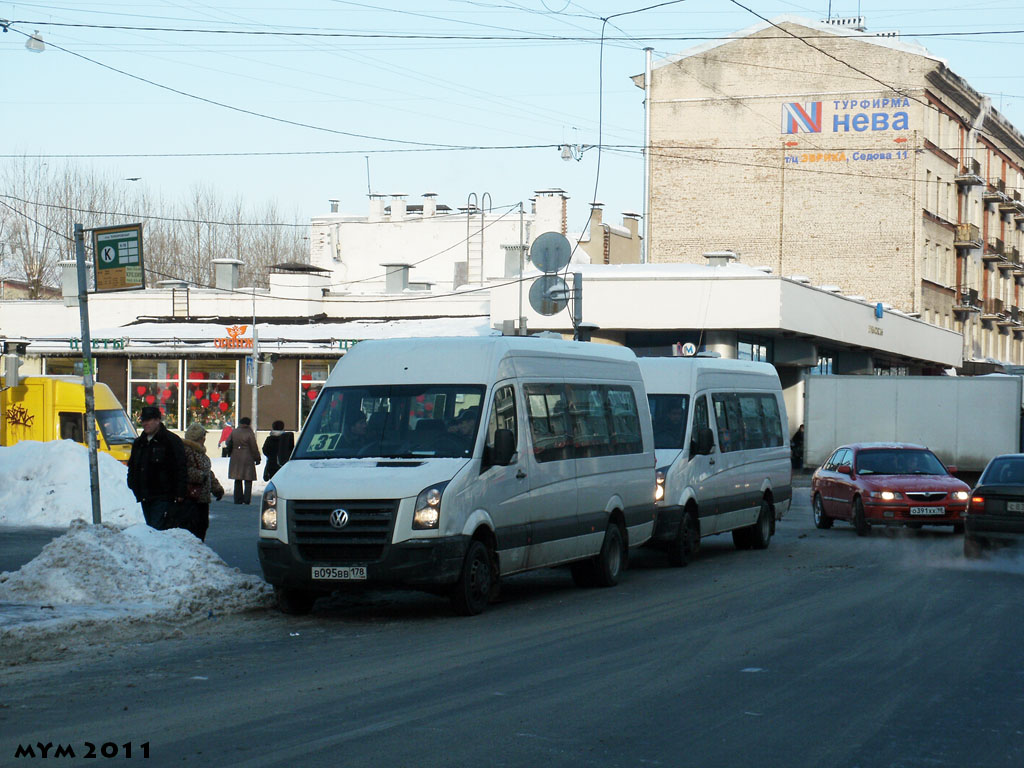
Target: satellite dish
(549, 294)
(550, 252)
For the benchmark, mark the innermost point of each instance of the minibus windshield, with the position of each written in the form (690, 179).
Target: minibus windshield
(407, 421)
(668, 415)
(116, 428)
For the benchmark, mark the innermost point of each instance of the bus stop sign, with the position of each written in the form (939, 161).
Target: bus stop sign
(117, 258)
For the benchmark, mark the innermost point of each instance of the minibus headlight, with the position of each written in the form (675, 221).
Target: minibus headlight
(659, 484)
(268, 510)
(427, 512)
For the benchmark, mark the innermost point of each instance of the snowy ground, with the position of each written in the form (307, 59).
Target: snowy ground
(101, 580)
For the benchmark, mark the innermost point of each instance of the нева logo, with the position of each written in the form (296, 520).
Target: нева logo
(801, 118)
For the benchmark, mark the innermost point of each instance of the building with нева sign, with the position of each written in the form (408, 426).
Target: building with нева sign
(818, 150)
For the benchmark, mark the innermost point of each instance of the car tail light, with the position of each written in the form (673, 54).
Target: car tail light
(977, 505)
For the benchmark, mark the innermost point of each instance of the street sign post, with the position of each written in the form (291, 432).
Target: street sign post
(117, 256)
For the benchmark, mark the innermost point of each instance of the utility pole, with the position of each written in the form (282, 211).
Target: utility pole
(87, 369)
(255, 366)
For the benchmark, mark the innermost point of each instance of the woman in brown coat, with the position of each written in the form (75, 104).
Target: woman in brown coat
(245, 455)
(202, 483)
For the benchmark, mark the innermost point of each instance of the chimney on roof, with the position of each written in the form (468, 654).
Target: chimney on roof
(396, 277)
(225, 274)
(429, 204)
(720, 258)
(631, 221)
(376, 207)
(334, 206)
(398, 207)
(596, 216)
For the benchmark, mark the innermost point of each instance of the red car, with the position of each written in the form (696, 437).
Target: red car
(887, 484)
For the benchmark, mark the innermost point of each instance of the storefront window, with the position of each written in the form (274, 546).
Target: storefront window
(312, 375)
(155, 382)
(66, 366)
(211, 390)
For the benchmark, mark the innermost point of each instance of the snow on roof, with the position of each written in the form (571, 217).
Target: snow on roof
(885, 42)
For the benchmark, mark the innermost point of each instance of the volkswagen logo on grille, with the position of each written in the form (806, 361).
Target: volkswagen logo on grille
(339, 518)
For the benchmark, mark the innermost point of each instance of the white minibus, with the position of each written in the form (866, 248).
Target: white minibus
(443, 464)
(722, 448)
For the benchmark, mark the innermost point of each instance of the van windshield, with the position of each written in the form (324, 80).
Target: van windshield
(668, 414)
(116, 428)
(407, 421)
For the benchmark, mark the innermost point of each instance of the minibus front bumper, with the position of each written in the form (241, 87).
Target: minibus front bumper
(417, 563)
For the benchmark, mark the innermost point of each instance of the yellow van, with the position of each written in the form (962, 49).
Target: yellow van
(53, 408)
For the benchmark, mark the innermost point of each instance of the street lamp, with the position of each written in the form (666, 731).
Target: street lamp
(35, 42)
(574, 151)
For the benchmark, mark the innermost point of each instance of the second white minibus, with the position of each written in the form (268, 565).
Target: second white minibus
(723, 451)
(445, 463)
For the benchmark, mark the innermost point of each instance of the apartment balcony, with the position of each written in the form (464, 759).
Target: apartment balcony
(995, 192)
(967, 236)
(992, 310)
(967, 302)
(1014, 314)
(994, 248)
(1011, 205)
(1010, 261)
(970, 174)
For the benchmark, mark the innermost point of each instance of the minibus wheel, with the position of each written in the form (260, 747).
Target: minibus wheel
(761, 532)
(295, 602)
(612, 558)
(684, 545)
(472, 591)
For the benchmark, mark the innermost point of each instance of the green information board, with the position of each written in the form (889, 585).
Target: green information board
(117, 258)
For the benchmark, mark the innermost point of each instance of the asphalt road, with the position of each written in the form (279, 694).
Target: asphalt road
(825, 650)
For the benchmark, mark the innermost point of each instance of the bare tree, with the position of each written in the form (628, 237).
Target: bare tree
(41, 202)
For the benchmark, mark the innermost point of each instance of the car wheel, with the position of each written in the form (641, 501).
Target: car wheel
(859, 522)
(973, 549)
(821, 520)
(684, 545)
(472, 591)
(295, 602)
(761, 531)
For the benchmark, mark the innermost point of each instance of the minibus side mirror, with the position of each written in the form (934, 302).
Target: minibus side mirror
(504, 449)
(703, 443)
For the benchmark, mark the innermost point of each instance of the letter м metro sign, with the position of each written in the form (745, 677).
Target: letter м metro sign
(117, 258)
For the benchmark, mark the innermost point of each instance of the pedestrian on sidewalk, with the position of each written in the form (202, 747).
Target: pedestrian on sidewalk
(202, 483)
(156, 470)
(796, 448)
(245, 455)
(225, 439)
(277, 448)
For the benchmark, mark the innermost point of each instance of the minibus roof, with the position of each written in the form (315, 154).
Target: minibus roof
(475, 360)
(684, 375)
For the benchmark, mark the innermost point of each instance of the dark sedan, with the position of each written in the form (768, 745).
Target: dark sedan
(887, 484)
(996, 514)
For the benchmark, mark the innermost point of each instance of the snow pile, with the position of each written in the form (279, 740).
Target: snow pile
(100, 572)
(47, 484)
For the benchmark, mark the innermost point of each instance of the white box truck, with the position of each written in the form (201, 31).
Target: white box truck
(964, 420)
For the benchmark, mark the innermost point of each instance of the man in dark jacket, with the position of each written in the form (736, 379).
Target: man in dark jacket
(157, 473)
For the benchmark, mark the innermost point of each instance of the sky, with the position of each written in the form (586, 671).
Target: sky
(382, 107)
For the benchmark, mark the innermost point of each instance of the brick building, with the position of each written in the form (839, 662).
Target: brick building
(860, 162)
